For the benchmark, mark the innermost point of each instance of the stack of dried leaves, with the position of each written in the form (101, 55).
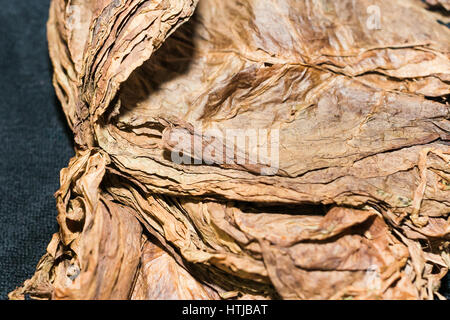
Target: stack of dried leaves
(358, 206)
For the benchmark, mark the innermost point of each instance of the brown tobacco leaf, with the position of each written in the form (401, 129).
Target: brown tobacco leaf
(361, 264)
(161, 277)
(345, 139)
(252, 149)
(96, 253)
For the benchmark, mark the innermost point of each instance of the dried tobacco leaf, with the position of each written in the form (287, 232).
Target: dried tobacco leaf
(252, 149)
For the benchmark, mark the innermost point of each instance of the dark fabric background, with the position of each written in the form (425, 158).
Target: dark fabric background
(35, 142)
